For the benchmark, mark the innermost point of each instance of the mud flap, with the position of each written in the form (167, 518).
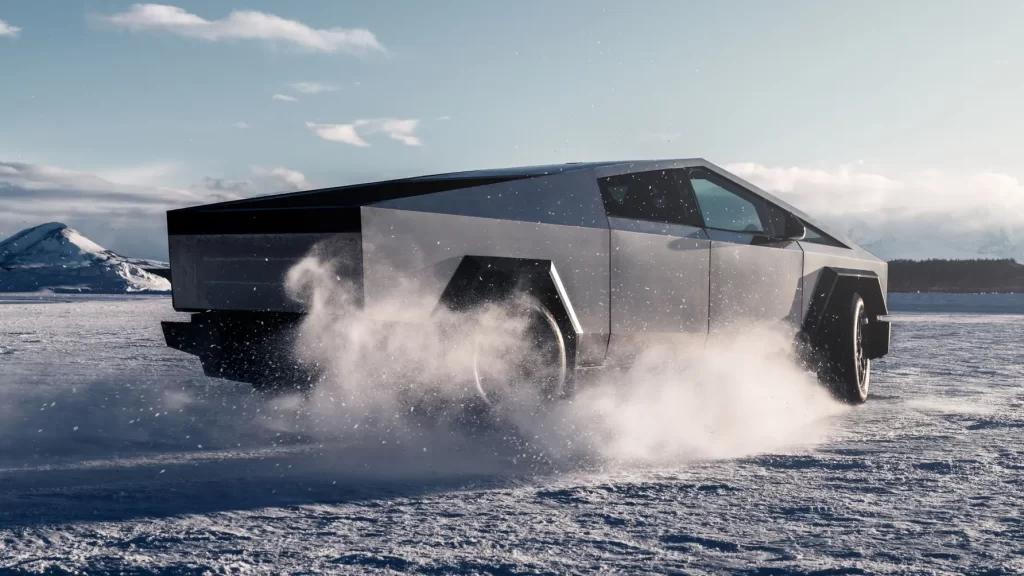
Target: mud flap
(181, 336)
(877, 342)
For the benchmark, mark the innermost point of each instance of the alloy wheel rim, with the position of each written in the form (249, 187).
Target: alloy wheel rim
(526, 368)
(860, 355)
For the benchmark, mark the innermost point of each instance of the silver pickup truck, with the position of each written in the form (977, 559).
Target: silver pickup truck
(605, 257)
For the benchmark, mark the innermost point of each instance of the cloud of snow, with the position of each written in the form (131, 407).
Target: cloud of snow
(381, 380)
(377, 369)
(353, 134)
(245, 25)
(933, 213)
(241, 125)
(8, 30)
(284, 98)
(740, 394)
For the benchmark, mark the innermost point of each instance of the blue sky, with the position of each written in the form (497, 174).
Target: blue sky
(178, 101)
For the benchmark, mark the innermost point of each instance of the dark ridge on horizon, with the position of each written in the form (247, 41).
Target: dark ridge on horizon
(956, 276)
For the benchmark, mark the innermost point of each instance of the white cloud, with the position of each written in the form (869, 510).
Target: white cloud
(396, 129)
(18, 179)
(124, 208)
(262, 180)
(282, 178)
(214, 184)
(246, 25)
(123, 216)
(401, 130)
(443, 118)
(153, 174)
(8, 30)
(338, 133)
(241, 125)
(283, 98)
(919, 214)
(313, 87)
(662, 136)
(979, 200)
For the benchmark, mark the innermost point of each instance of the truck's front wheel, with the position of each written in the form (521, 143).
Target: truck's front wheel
(848, 368)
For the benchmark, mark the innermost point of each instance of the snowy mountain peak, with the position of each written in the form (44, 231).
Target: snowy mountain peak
(50, 239)
(57, 257)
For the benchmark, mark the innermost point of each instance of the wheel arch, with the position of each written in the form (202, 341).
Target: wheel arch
(836, 285)
(489, 279)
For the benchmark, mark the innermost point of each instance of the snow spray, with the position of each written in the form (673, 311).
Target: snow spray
(741, 394)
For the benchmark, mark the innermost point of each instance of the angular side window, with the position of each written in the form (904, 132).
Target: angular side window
(815, 236)
(656, 196)
(726, 207)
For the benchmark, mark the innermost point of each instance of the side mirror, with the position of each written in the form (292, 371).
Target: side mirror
(793, 228)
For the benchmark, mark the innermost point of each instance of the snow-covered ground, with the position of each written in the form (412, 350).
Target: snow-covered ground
(57, 258)
(118, 456)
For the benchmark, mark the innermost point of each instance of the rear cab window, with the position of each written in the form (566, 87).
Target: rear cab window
(655, 196)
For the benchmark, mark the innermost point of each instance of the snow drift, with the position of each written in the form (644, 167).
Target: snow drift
(55, 257)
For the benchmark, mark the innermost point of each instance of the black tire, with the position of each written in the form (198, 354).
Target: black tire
(537, 365)
(848, 369)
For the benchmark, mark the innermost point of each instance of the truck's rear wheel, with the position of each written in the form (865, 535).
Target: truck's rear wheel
(848, 368)
(536, 366)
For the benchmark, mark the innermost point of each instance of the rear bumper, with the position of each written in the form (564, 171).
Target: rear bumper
(257, 348)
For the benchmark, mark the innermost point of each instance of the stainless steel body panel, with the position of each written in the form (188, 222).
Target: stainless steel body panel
(817, 256)
(409, 257)
(247, 271)
(628, 281)
(659, 284)
(753, 283)
(569, 198)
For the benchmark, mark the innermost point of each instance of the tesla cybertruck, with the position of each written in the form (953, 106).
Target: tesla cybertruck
(610, 257)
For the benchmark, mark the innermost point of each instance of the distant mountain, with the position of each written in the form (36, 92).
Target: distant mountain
(55, 257)
(975, 275)
(924, 241)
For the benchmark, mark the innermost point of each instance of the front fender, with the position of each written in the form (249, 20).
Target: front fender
(837, 284)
